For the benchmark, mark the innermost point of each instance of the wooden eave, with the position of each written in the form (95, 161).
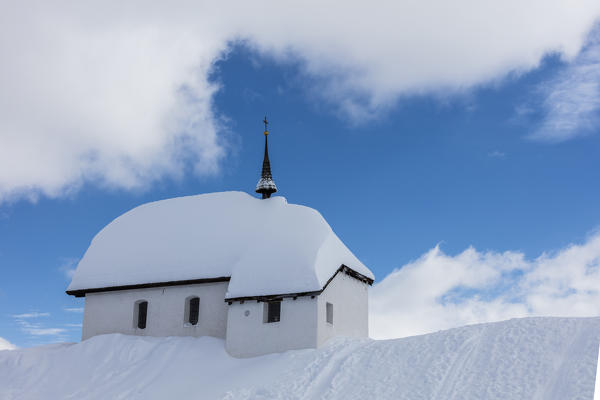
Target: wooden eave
(83, 292)
(275, 297)
(343, 269)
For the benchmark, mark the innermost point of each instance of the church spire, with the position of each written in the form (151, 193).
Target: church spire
(266, 185)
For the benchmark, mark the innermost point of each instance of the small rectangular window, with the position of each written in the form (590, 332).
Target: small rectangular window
(194, 310)
(273, 311)
(329, 312)
(142, 314)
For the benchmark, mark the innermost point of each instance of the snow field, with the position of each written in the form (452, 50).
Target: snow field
(530, 358)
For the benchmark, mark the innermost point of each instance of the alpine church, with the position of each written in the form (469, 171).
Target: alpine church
(262, 274)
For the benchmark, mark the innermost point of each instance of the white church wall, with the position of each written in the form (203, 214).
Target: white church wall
(113, 312)
(350, 301)
(248, 335)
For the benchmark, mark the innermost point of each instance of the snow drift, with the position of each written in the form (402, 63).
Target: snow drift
(266, 246)
(531, 358)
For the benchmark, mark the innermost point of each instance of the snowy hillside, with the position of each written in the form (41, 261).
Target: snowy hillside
(532, 358)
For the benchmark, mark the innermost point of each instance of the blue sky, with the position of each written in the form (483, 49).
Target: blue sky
(460, 167)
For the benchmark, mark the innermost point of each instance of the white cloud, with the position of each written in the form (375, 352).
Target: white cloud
(370, 53)
(572, 100)
(438, 291)
(116, 97)
(6, 345)
(31, 315)
(118, 94)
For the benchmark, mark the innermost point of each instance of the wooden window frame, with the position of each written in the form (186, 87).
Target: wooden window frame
(272, 312)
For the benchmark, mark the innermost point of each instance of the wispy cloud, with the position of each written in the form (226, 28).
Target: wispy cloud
(31, 315)
(73, 309)
(68, 266)
(29, 324)
(37, 331)
(496, 154)
(440, 291)
(572, 100)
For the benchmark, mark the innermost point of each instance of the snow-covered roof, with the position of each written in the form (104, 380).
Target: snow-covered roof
(266, 246)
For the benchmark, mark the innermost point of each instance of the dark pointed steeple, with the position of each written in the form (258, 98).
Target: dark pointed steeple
(266, 185)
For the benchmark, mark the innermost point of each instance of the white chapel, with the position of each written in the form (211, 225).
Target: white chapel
(262, 274)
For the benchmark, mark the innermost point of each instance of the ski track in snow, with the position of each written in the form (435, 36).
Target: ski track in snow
(530, 358)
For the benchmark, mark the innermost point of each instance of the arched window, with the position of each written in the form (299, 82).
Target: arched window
(192, 310)
(140, 314)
